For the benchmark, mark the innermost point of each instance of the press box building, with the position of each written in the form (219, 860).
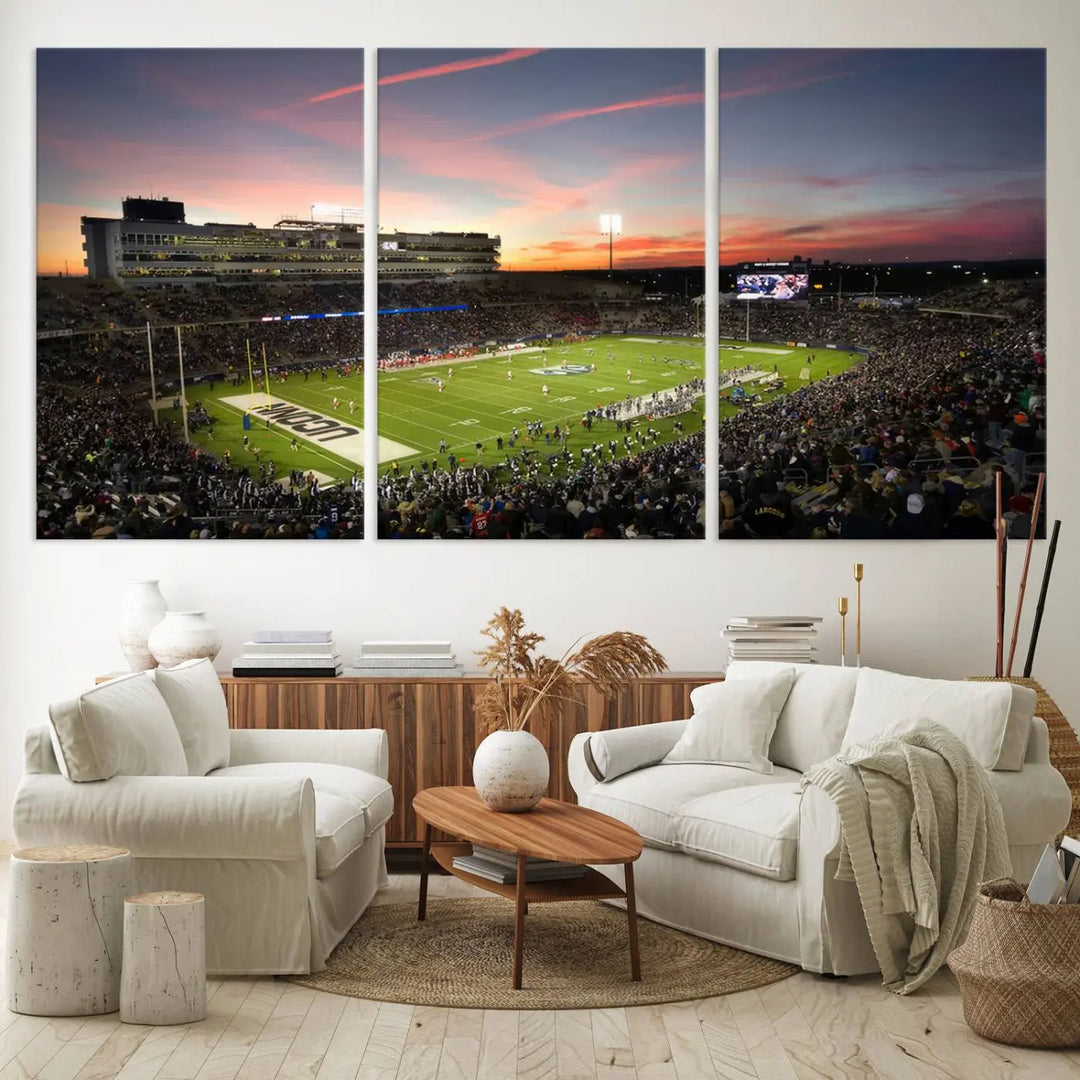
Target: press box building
(153, 242)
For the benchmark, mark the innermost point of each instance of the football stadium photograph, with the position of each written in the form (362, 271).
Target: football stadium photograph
(883, 288)
(879, 364)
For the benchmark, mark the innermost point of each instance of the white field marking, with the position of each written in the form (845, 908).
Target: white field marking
(562, 400)
(637, 382)
(606, 389)
(336, 386)
(769, 352)
(643, 340)
(348, 446)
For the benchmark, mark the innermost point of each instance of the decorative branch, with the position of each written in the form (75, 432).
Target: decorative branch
(525, 685)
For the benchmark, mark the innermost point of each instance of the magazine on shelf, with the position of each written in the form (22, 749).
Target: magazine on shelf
(508, 858)
(505, 875)
(1048, 884)
(251, 649)
(411, 650)
(267, 636)
(752, 621)
(272, 661)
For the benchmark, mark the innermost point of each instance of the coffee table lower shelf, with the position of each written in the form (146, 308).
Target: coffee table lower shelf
(592, 886)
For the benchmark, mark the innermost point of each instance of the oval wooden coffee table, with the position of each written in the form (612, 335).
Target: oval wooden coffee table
(551, 830)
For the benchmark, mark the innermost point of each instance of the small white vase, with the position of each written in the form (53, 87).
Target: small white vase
(510, 770)
(142, 609)
(184, 635)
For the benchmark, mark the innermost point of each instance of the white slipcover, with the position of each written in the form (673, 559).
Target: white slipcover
(122, 727)
(733, 722)
(193, 692)
(746, 859)
(992, 719)
(249, 842)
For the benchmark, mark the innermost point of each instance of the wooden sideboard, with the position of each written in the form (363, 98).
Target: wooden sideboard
(430, 724)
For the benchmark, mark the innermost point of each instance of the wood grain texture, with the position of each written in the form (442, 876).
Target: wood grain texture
(553, 830)
(431, 728)
(592, 886)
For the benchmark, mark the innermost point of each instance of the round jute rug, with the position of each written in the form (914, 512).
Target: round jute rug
(577, 956)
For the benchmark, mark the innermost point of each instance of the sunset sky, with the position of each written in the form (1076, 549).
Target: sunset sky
(230, 133)
(882, 154)
(845, 154)
(534, 145)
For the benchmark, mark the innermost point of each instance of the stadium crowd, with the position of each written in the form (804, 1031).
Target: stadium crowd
(904, 444)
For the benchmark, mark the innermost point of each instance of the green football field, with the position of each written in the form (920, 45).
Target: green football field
(482, 399)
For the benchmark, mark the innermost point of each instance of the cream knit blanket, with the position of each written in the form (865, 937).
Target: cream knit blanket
(921, 829)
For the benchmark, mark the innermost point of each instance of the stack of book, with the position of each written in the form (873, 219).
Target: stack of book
(501, 866)
(1057, 877)
(406, 660)
(289, 654)
(787, 638)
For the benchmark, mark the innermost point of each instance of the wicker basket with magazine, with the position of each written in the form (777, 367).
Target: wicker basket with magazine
(1019, 969)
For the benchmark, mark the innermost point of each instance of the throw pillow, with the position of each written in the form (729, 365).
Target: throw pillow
(815, 716)
(992, 719)
(733, 722)
(193, 693)
(121, 728)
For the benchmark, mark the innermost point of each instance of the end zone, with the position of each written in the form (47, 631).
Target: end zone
(333, 433)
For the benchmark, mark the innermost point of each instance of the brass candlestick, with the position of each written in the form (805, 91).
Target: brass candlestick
(841, 607)
(858, 614)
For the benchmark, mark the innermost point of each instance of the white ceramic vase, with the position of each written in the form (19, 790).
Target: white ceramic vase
(184, 635)
(510, 770)
(142, 609)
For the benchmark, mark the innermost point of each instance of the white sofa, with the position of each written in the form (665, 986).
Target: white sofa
(748, 859)
(283, 834)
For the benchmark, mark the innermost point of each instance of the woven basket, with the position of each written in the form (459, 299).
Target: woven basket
(1019, 969)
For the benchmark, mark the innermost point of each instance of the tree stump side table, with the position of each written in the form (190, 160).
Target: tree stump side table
(164, 978)
(65, 929)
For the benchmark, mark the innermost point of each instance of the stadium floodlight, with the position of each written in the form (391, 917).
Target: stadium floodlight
(332, 212)
(611, 226)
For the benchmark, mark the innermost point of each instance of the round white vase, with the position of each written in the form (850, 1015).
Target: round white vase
(184, 635)
(142, 609)
(510, 770)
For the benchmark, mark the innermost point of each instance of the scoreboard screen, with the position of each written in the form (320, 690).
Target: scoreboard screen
(772, 285)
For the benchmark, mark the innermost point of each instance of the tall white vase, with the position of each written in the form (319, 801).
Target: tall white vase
(142, 609)
(184, 635)
(510, 770)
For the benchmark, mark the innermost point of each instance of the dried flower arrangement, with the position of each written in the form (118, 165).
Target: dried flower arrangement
(527, 685)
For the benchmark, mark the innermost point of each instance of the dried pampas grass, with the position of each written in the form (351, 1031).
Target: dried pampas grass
(526, 685)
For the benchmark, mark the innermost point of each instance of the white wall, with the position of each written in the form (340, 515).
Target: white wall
(928, 607)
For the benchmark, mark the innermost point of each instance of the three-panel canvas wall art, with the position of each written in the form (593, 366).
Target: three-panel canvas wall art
(551, 363)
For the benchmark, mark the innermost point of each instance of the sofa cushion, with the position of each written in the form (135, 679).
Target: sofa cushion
(733, 722)
(370, 795)
(992, 719)
(812, 722)
(122, 727)
(340, 828)
(651, 800)
(753, 828)
(192, 691)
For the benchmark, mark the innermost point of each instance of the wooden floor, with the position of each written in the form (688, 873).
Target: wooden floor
(258, 1029)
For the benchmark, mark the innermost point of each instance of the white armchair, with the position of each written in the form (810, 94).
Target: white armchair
(286, 841)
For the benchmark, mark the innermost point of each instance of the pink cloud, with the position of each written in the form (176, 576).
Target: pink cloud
(988, 228)
(451, 68)
(551, 119)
